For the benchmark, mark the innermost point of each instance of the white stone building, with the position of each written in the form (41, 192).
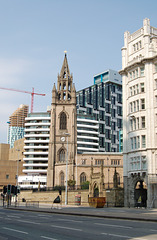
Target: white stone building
(37, 131)
(139, 76)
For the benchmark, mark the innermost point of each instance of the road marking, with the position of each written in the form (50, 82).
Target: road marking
(121, 236)
(48, 238)
(42, 215)
(110, 225)
(15, 230)
(75, 229)
(13, 216)
(28, 222)
(69, 220)
(153, 230)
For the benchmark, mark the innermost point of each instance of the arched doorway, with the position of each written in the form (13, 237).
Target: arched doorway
(96, 190)
(140, 194)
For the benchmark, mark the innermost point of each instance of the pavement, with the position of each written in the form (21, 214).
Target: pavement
(139, 214)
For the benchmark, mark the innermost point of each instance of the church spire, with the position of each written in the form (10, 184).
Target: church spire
(65, 73)
(65, 82)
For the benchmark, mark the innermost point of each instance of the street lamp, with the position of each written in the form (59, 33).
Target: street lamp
(17, 167)
(108, 173)
(66, 186)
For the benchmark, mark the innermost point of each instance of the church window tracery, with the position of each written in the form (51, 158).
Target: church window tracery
(62, 155)
(63, 121)
(61, 179)
(82, 177)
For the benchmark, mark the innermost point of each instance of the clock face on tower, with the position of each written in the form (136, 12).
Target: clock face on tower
(63, 139)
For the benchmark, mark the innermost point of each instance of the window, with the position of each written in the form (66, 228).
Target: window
(61, 179)
(82, 177)
(137, 73)
(7, 176)
(142, 71)
(155, 83)
(119, 110)
(144, 162)
(134, 123)
(138, 142)
(130, 91)
(134, 90)
(133, 74)
(142, 103)
(137, 105)
(119, 98)
(143, 141)
(142, 87)
(140, 44)
(62, 155)
(130, 75)
(63, 121)
(135, 142)
(108, 133)
(143, 122)
(131, 125)
(155, 67)
(155, 101)
(83, 161)
(131, 107)
(137, 88)
(132, 144)
(108, 108)
(138, 123)
(134, 47)
(134, 106)
(137, 45)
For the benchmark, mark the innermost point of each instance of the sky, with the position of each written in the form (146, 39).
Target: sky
(35, 33)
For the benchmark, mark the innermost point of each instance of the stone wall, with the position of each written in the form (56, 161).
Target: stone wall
(49, 196)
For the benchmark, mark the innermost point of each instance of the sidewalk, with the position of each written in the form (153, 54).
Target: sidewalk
(115, 213)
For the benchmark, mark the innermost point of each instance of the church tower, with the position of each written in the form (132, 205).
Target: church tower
(63, 130)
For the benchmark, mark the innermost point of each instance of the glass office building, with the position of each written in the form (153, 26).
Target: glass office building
(103, 101)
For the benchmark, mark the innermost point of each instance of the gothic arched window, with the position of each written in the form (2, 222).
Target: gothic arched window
(82, 177)
(63, 121)
(61, 179)
(62, 155)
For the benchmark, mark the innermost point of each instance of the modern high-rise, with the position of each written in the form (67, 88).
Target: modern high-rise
(103, 101)
(87, 134)
(139, 76)
(61, 133)
(37, 130)
(16, 124)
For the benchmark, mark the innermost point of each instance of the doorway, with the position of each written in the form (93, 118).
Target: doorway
(140, 194)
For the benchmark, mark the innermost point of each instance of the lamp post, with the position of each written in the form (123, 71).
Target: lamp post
(17, 167)
(108, 173)
(66, 186)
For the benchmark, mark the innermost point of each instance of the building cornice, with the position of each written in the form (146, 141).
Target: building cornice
(143, 61)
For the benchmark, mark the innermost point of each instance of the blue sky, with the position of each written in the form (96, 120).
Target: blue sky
(35, 33)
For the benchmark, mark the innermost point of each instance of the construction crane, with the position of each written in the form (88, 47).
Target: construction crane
(32, 94)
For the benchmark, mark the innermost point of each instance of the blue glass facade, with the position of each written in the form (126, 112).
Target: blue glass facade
(103, 101)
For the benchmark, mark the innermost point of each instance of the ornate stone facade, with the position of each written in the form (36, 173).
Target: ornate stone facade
(139, 75)
(63, 130)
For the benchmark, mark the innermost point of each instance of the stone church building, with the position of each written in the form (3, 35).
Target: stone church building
(63, 141)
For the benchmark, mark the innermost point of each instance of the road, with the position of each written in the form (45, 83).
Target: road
(33, 225)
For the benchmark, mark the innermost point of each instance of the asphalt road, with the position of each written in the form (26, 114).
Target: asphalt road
(40, 226)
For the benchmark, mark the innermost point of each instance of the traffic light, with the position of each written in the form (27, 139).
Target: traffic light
(4, 189)
(9, 189)
(18, 189)
(14, 190)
